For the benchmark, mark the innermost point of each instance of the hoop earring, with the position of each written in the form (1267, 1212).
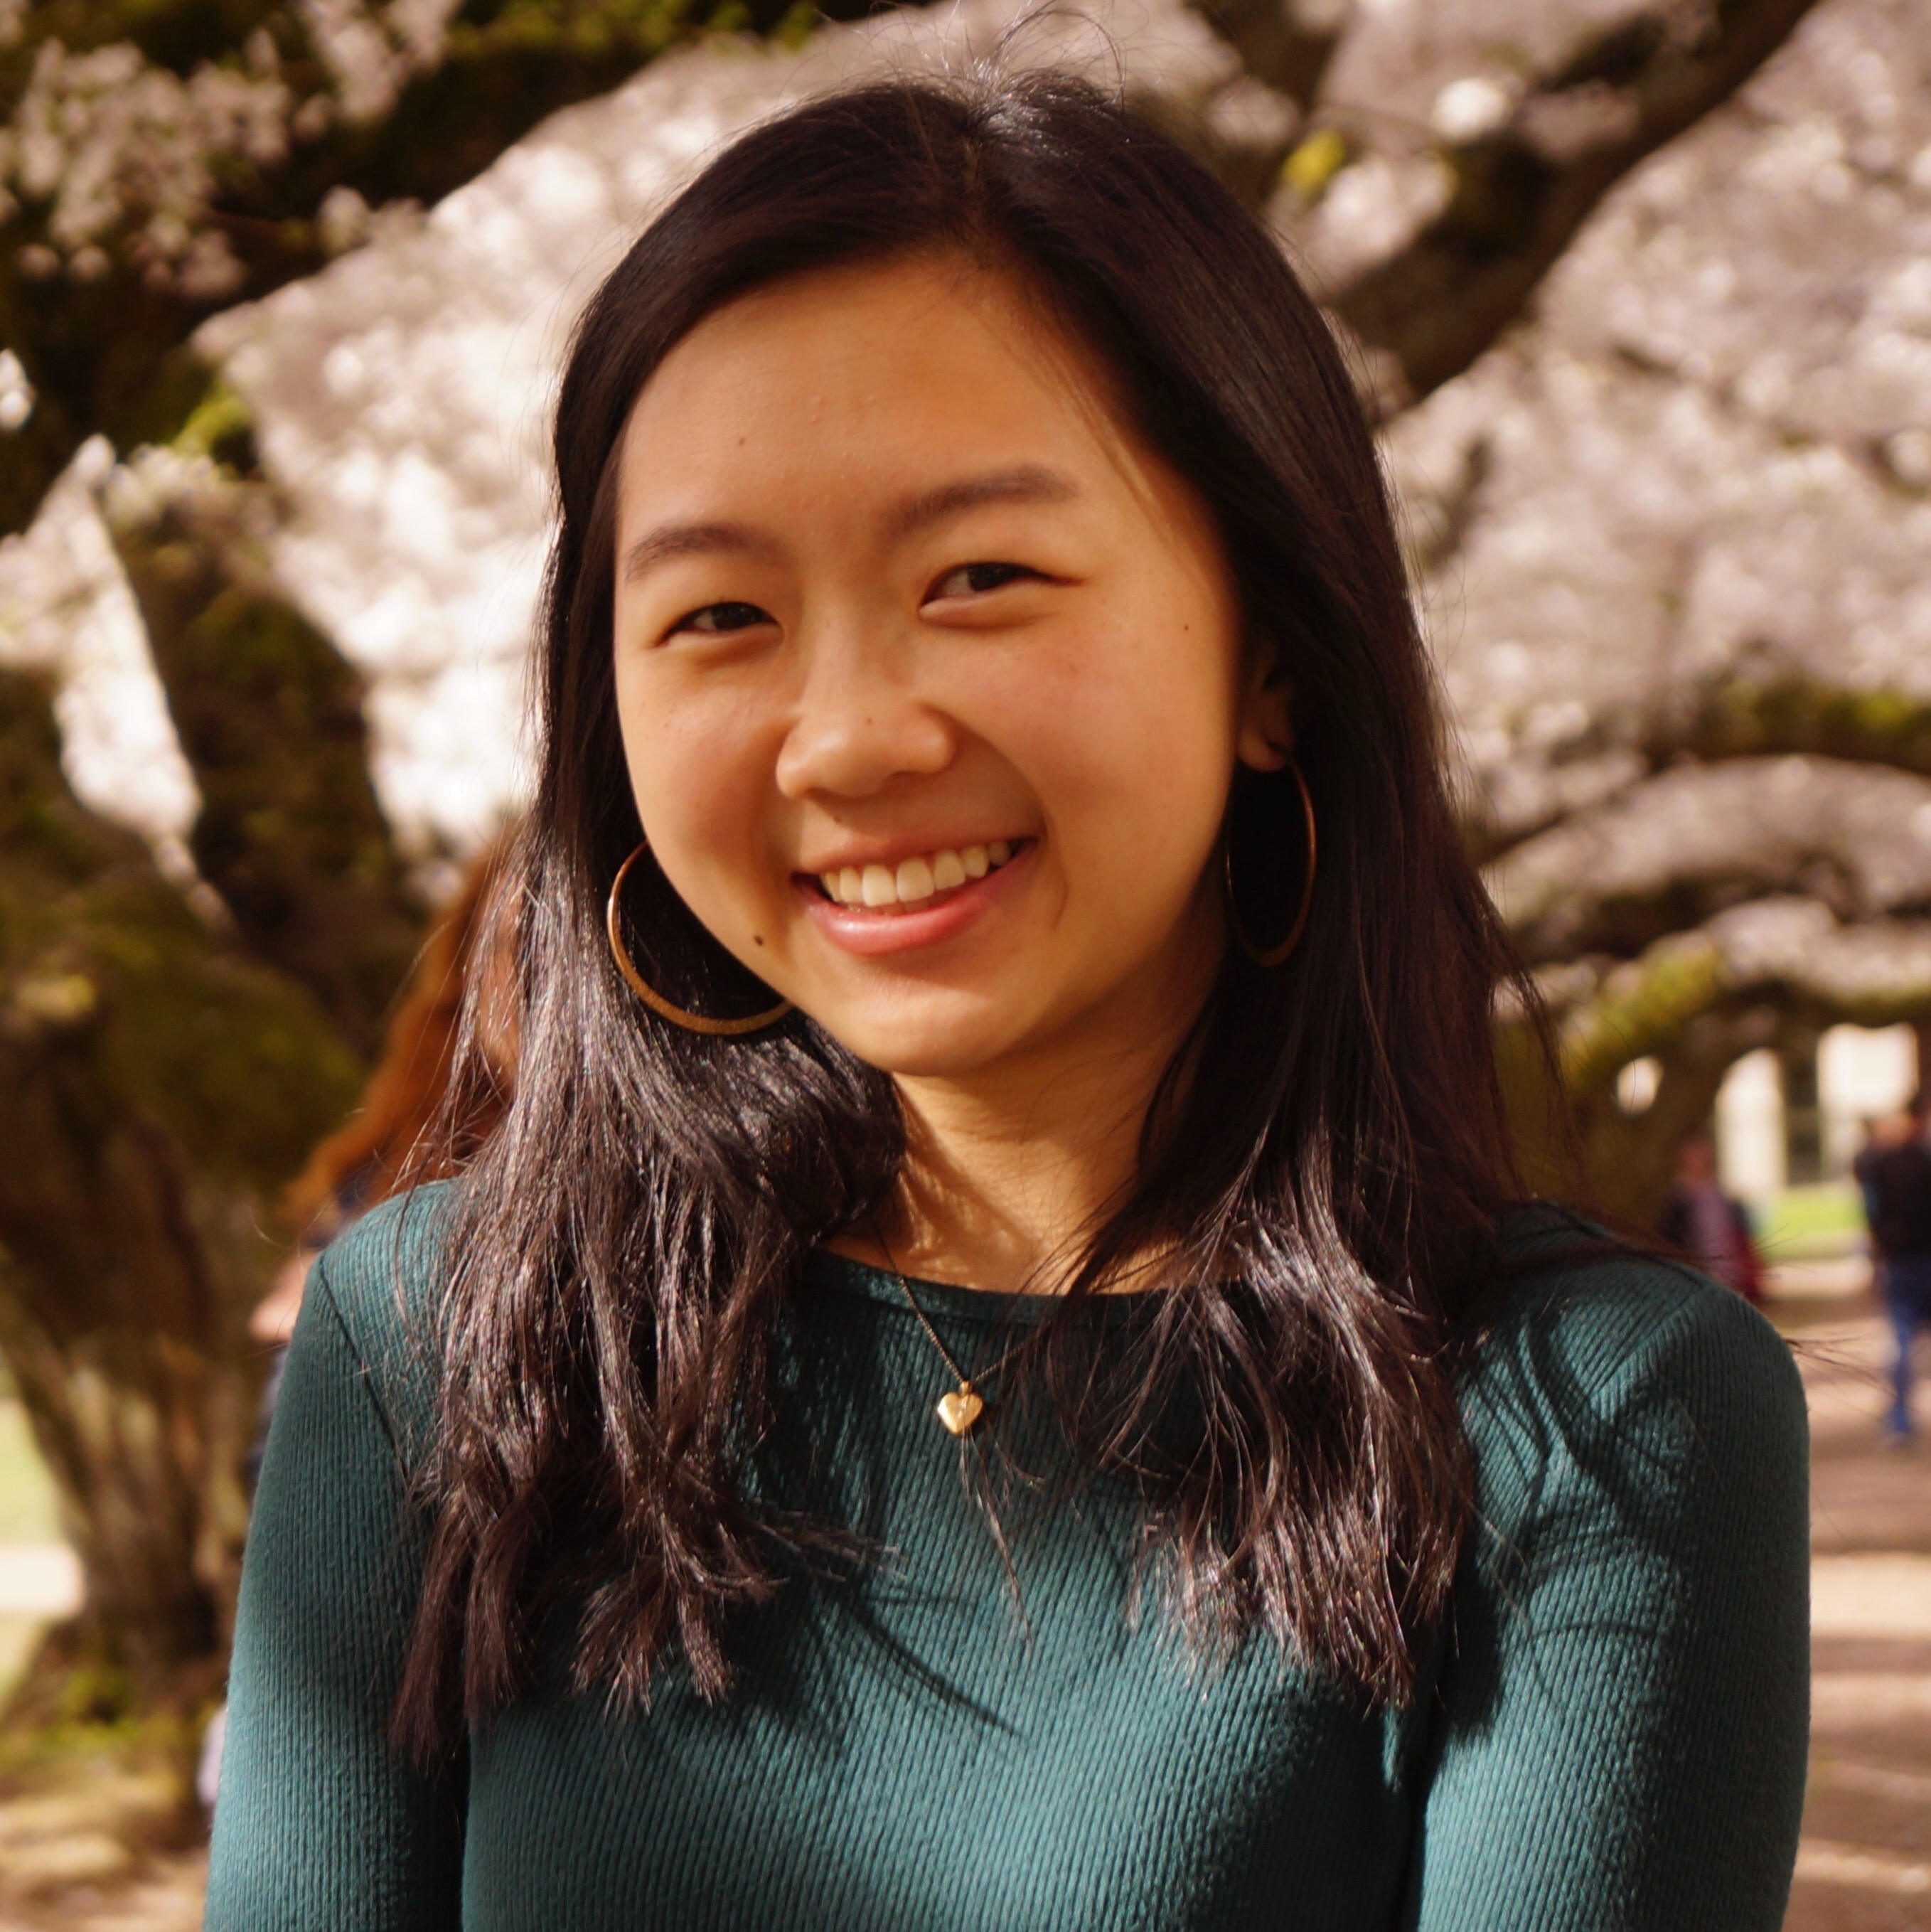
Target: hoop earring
(677, 1016)
(1275, 955)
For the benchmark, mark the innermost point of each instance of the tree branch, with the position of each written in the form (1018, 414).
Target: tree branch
(1522, 193)
(1274, 47)
(1750, 714)
(1671, 852)
(1791, 954)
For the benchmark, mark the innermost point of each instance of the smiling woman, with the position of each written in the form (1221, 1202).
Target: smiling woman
(994, 1374)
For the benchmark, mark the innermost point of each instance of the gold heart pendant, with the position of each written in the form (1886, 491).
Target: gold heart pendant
(959, 1409)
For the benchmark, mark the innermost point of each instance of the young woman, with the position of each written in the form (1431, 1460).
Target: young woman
(989, 1378)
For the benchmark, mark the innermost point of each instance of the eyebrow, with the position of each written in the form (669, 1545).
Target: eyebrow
(1024, 483)
(669, 542)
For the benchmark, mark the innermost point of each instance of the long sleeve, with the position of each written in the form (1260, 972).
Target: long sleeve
(1619, 1739)
(320, 1825)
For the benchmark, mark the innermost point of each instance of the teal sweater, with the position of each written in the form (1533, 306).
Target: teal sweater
(1610, 1732)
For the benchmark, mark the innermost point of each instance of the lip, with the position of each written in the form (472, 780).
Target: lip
(873, 932)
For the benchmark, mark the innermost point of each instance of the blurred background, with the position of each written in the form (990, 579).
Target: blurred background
(1639, 292)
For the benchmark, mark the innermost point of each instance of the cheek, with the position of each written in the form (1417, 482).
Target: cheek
(694, 775)
(1133, 743)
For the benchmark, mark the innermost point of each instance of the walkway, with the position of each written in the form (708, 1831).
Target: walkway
(1865, 1865)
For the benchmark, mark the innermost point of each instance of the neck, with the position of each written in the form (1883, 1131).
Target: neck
(1002, 1185)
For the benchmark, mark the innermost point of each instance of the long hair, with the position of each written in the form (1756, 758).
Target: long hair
(1325, 1160)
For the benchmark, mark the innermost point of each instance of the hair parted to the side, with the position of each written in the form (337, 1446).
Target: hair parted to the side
(1326, 1159)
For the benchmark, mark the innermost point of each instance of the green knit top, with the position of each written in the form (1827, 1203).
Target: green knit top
(1610, 1731)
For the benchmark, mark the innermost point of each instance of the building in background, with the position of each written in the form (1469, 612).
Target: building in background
(1797, 1115)
(1793, 1118)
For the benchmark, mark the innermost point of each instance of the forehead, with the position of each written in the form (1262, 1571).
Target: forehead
(899, 365)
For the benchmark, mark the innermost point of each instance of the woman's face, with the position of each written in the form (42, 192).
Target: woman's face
(930, 674)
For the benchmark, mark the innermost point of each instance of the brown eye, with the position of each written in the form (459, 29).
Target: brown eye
(713, 619)
(972, 580)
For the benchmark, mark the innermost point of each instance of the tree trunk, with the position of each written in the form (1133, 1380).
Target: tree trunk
(269, 716)
(137, 1049)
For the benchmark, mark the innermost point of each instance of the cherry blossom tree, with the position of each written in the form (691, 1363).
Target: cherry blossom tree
(1672, 539)
(283, 288)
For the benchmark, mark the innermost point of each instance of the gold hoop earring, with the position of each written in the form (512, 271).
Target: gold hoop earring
(677, 1016)
(1275, 955)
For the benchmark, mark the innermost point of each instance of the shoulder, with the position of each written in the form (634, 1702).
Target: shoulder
(1617, 1733)
(378, 1284)
(1639, 1378)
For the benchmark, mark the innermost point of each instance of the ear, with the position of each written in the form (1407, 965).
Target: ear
(1265, 729)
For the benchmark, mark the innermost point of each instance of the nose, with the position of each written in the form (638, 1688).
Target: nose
(861, 722)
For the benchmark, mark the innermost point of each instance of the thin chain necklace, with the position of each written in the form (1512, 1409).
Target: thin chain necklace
(958, 1410)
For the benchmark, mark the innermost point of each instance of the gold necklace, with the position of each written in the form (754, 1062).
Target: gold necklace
(958, 1410)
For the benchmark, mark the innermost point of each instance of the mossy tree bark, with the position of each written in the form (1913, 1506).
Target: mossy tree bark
(1738, 715)
(159, 1084)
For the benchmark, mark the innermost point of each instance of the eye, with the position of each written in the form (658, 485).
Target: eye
(717, 619)
(974, 580)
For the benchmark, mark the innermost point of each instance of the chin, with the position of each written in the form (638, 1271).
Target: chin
(928, 1046)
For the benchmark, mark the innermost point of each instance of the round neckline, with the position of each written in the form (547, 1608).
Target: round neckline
(939, 1299)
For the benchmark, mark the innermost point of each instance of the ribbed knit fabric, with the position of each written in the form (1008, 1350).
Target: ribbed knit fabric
(1610, 1734)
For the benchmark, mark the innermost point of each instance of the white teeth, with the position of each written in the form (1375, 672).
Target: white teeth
(914, 880)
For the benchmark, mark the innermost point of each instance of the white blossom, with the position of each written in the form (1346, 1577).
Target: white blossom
(16, 392)
(1704, 456)
(1476, 105)
(109, 140)
(1708, 458)
(373, 52)
(66, 610)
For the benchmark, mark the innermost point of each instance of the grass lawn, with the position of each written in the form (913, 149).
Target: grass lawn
(1802, 1223)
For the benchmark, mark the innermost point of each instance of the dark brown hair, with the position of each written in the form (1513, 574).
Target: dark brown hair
(1325, 1160)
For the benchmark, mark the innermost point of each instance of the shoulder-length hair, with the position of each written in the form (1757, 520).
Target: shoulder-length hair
(1326, 1158)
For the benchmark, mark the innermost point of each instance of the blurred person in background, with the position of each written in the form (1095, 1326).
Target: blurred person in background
(996, 1372)
(1894, 1174)
(1700, 1218)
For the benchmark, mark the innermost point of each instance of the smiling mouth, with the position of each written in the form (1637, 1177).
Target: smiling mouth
(916, 881)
